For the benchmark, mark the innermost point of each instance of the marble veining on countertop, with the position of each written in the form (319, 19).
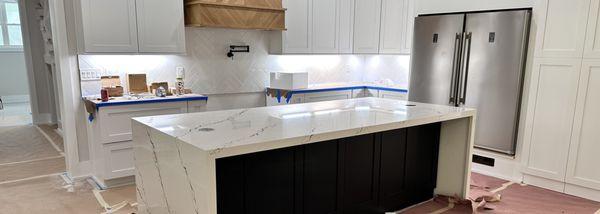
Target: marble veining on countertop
(301, 123)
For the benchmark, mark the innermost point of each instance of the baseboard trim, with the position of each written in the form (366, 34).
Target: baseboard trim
(43, 118)
(15, 99)
(583, 192)
(544, 183)
(81, 171)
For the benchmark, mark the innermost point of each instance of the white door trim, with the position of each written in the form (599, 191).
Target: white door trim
(35, 113)
(68, 80)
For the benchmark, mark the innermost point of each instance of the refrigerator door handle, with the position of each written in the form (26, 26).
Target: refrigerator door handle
(455, 67)
(465, 69)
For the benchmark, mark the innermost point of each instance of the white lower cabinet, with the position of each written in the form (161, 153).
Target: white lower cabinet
(300, 97)
(562, 138)
(327, 96)
(118, 159)
(549, 121)
(110, 135)
(395, 95)
(358, 93)
(584, 154)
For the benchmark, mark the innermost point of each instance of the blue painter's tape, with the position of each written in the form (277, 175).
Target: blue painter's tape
(307, 91)
(278, 95)
(387, 89)
(289, 97)
(156, 100)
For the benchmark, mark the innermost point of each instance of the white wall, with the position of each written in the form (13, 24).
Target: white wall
(446, 6)
(42, 76)
(13, 74)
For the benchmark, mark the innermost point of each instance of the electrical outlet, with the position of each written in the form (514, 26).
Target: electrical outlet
(180, 72)
(90, 74)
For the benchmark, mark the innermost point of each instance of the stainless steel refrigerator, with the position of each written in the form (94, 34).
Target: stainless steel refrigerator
(477, 60)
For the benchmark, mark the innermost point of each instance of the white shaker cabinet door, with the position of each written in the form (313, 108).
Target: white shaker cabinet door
(367, 18)
(409, 21)
(325, 26)
(584, 155)
(327, 96)
(592, 37)
(109, 26)
(346, 26)
(561, 28)
(393, 21)
(552, 95)
(297, 37)
(160, 26)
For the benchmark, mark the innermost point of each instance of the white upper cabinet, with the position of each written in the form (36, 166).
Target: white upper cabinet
(346, 26)
(297, 37)
(160, 26)
(108, 26)
(409, 20)
(130, 26)
(395, 27)
(561, 28)
(325, 26)
(552, 98)
(583, 161)
(367, 18)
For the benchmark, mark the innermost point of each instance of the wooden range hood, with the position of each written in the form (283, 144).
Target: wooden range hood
(236, 14)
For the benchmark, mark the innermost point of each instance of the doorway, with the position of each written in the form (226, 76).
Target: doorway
(30, 144)
(15, 106)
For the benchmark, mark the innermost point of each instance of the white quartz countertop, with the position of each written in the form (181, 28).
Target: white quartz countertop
(299, 124)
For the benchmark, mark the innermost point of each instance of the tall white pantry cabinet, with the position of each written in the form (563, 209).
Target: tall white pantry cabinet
(562, 127)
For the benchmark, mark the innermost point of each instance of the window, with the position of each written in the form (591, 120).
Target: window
(10, 25)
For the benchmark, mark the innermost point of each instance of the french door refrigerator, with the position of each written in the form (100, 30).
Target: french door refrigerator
(477, 60)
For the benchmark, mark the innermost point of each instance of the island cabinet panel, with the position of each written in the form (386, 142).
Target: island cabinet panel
(421, 161)
(269, 182)
(360, 174)
(318, 187)
(392, 171)
(373, 173)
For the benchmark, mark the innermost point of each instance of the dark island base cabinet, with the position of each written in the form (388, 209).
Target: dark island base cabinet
(365, 174)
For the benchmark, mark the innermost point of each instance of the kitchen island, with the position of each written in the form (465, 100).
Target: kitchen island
(367, 155)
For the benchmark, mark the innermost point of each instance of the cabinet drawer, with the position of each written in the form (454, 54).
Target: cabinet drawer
(327, 96)
(196, 106)
(115, 121)
(392, 95)
(118, 159)
(358, 93)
